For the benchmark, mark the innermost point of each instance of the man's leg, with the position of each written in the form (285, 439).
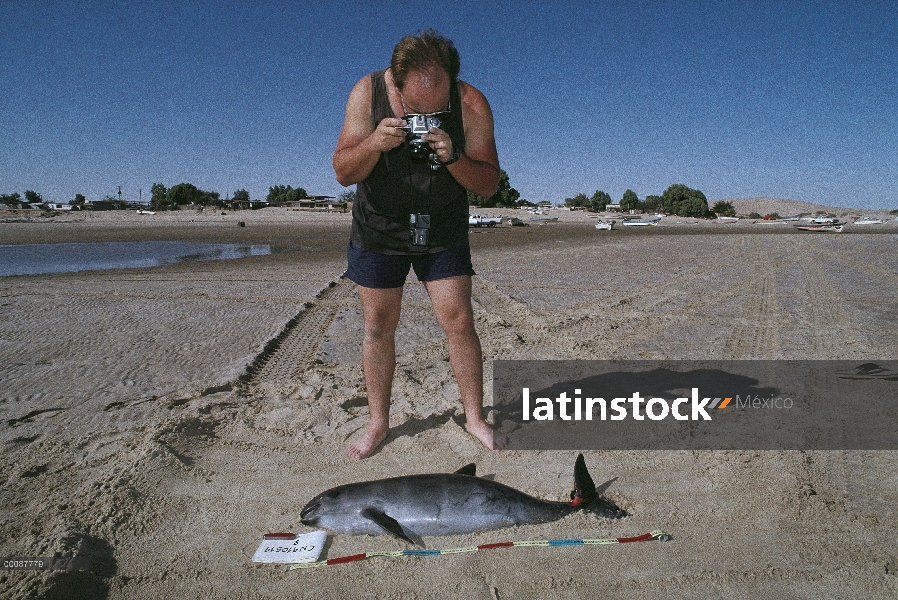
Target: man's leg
(451, 298)
(381, 309)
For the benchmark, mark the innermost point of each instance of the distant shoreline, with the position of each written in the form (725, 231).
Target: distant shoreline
(287, 229)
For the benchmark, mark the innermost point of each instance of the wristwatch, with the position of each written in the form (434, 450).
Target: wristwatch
(455, 156)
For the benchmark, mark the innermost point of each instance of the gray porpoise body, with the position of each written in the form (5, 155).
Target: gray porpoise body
(425, 505)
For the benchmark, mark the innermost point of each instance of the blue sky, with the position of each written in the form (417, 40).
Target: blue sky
(738, 99)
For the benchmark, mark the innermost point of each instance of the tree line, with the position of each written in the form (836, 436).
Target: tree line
(677, 199)
(174, 197)
(184, 194)
(15, 198)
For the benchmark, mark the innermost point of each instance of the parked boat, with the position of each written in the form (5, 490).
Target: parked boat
(606, 225)
(865, 220)
(823, 227)
(641, 222)
(821, 220)
(721, 219)
(544, 219)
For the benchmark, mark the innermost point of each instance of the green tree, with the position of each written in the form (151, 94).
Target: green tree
(207, 198)
(599, 201)
(275, 192)
(629, 201)
(183, 194)
(683, 201)
(278, 194)
(578, 201)
(505, 194)
(159, 197)
(11, 199)
(241, 195)
(653, 202)
(33, 197)
(723, 209)
(79, 201)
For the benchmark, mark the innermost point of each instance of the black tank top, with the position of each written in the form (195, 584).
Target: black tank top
(399, 186)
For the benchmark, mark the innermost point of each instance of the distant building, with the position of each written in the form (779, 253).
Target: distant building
(613, 206)
(248, 204)
(317, 203)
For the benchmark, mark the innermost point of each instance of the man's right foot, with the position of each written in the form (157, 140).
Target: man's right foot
(366, 446)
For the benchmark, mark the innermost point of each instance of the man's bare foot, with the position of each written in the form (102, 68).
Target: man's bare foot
(488, 436)
(366, 446)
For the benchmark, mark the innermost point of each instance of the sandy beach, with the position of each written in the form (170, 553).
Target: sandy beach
(159, 421)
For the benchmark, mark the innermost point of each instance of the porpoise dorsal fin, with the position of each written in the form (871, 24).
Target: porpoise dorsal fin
(387, 523)
(582, 480)
(469, 469)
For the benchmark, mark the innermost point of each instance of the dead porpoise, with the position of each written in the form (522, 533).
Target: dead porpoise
(445, 504)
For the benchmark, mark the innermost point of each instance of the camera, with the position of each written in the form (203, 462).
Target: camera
(416, 126)
(419, 232)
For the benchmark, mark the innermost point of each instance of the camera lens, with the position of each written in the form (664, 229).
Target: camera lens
(419, 149)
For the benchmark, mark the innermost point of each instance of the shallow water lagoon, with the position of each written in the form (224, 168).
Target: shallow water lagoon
(35, 259)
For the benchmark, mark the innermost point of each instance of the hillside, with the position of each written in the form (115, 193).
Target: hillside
(763, 206)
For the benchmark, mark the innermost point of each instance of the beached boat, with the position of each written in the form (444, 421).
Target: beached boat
(821, 220)
(821, 227)
(865, 220)
(721, 219)
(641, 222)
(605, 225)
(544, 219)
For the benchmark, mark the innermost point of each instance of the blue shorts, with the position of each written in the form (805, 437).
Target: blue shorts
(373, 270)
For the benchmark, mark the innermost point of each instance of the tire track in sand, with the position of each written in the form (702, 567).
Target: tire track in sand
(827, 325)
(755, 337)
(293, 349)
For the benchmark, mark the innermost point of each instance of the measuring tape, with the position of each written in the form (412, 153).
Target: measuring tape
(654, 535)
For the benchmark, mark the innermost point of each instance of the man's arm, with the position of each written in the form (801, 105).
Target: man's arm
(477, 168)
(359, 148)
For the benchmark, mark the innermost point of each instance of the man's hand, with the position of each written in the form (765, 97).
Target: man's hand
(440, 142)
(389, 134)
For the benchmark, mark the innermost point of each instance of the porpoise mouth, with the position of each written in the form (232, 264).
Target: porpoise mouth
(307, 516)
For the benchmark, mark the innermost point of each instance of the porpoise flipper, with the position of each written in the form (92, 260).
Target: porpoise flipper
(387, 523)
(470, 469)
